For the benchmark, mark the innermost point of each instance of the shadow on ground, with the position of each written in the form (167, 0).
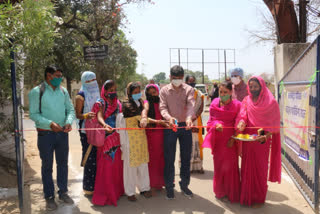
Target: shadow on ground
(159, 204)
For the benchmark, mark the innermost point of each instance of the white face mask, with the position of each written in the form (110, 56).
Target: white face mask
(177, 82)
(235, 80)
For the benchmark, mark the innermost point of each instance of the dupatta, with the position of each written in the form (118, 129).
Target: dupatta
(265, 113)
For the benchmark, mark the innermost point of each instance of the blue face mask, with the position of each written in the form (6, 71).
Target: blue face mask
(136, 96)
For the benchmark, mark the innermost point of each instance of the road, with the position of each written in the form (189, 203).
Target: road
(281, 198)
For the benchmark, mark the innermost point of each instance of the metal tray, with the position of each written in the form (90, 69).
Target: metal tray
(244, 139)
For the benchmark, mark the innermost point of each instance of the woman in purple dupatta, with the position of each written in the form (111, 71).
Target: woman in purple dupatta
(223, 113)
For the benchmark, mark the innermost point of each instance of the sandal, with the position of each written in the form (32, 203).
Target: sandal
(132, 198)
(146, 194)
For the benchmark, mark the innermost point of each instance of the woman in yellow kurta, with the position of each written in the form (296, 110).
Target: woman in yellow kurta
(134, 145)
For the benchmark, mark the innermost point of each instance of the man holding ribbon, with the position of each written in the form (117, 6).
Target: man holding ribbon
(177, 106)
(52, 111)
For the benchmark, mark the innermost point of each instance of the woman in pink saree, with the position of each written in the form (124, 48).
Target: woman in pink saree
(151, 113)
(259, 110)
(223, 113)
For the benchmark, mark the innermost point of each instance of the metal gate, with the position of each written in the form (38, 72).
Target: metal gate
(299, 92)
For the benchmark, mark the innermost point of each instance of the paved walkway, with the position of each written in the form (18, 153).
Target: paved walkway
(283, 198)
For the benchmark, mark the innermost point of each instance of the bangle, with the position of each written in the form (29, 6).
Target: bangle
(85, 116)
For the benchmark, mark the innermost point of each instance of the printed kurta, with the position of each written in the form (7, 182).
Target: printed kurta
(138, 142)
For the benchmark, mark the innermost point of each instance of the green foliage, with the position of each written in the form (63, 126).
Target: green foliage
(159, 77)
(166, 81)
(140, 78)
(97, 22)
(39, 34)
(121, 63)
(69, 56)
(198, 75)
(5, 81)
(53, 32)
(31, 26)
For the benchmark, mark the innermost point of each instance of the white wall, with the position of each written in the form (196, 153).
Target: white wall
(285, 55)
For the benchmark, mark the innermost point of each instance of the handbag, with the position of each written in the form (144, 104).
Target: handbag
(97, 135)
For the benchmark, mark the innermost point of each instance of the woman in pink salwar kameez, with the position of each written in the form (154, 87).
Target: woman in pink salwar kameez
(259, 110)
(223, 113)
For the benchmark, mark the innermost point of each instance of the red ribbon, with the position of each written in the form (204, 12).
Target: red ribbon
(175, 128)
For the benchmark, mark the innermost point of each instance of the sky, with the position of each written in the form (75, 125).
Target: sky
(209, 24)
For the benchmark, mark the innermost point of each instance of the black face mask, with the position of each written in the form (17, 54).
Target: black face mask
(255, 93)
(192, 84)
(153, 99)
(112, 95)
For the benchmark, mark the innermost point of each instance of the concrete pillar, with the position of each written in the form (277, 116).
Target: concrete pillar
(285, 56)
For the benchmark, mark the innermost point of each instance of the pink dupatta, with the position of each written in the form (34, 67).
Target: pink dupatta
(265, 113)
(225, 116)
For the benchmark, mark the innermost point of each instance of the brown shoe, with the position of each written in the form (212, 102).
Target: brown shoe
(146, 194)
(132, 198)
(51, 204)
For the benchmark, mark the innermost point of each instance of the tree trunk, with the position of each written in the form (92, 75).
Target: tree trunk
(69, 85)
(101, 73)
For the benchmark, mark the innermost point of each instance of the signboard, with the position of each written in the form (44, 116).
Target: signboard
(95, 52)
(296, 113)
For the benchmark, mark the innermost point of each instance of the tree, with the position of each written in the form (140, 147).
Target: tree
(268, 30)
(96, 21)
(198, 76)
(69, 57)
(29, 28)
(159, 77)
(30, 25)
(121, 62)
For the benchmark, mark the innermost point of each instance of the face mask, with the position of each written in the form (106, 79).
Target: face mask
(136, 96)
(192, 84)
(235, 80)
(56, 81)
(225, 97)
(154, 99)
(177, 82)
(91, 86)
(111, 95)
(255, 93)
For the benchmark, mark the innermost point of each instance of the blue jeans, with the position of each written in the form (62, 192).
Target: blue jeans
(48, 143)
(170, 144)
